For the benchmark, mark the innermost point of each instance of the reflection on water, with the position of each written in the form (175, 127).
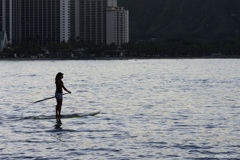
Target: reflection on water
(58, 127)
(150, 109)
(58, 124)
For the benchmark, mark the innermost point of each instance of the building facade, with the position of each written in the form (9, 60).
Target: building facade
(100, 21)
(8, 18)
(90, 20)
(42, 21)
(117, 26)
(46, 21)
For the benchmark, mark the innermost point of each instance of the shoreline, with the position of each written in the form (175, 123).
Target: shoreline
(114, 58)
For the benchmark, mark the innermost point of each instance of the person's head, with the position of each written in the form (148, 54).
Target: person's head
(59, 76)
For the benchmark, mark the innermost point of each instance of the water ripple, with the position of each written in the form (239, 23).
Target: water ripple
(151, 109)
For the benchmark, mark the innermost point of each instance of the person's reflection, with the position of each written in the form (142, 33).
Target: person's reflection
(58, 130)
(58, 123)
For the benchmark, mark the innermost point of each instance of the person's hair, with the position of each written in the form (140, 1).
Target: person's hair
(58, 77)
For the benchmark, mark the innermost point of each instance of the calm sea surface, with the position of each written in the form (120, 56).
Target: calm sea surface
(150, 109)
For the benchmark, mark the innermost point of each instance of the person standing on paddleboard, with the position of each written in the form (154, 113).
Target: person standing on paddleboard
(59, 93)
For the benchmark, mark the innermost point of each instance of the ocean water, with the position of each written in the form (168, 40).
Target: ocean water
(150, 109)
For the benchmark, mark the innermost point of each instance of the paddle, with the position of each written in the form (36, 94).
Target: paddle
(48, 98)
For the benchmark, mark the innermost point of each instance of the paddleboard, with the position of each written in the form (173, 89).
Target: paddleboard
(75, 115)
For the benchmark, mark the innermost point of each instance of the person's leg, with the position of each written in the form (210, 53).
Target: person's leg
(58, 107)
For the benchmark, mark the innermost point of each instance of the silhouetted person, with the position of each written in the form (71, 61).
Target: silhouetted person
(59, 93)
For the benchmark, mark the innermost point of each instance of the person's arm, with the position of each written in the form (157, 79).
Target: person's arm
(64, 87)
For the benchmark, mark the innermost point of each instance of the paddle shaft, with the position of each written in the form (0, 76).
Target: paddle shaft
(48, 98)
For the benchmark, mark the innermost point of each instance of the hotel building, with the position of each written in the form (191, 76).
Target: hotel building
(100, 21)
(42, 21)
(90, 20)
(117, 26)
(46, 21)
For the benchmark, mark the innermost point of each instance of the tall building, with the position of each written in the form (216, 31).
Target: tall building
(1, 15)
(42, 21)
(117, 26)
(10, 17)
(91, 21)
(7, 17)
(46, 21)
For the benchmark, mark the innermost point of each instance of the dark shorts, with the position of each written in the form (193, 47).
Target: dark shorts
(58, 96)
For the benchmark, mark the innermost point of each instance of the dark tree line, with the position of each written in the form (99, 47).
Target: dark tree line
(144, 49)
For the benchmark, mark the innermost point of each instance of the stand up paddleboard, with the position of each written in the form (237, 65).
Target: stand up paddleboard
(76, 115)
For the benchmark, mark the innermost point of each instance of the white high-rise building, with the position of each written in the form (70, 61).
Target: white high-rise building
(117, 25)
(64, 20)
